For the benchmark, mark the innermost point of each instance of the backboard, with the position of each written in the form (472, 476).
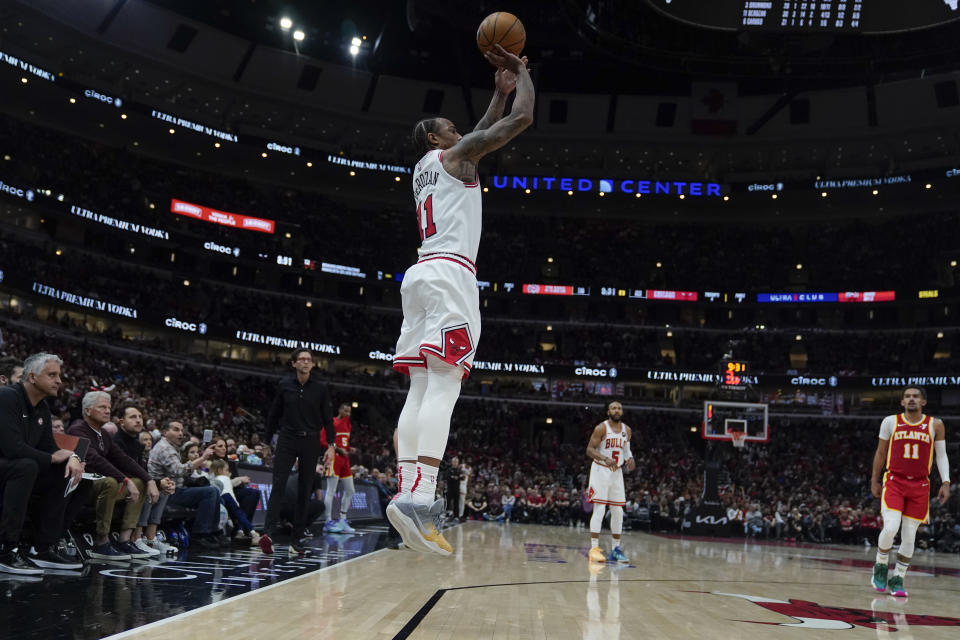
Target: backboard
(721, 417)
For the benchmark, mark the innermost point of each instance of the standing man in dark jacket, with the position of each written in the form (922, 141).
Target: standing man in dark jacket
(33, 467)
(300, 410)
(122, 478)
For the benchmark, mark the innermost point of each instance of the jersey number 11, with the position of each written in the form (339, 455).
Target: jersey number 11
(430, 228)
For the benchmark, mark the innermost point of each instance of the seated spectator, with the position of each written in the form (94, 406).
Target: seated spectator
(137, 443)
(246, 497)
(165, 462)
(869, 526)
(57, 425)
(221, 475)
(476, 507)
(507, 503)
(123, 478)
(32, 469)
(754, 523)
(11, 370)
(199, 477)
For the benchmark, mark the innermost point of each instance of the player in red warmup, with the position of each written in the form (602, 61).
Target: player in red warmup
(342, 474)
(441, 303)
(908, 443)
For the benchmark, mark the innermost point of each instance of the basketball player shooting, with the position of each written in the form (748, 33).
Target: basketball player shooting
(908, 443)
(439, 295)
(609, 448)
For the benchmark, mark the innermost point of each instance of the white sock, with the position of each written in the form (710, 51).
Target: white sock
(594, 543)
(883, 557)
(426, 484)
(408, 476)
(901, 568)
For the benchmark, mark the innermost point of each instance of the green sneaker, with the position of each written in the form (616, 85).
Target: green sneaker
(880, 577)
(896, 587)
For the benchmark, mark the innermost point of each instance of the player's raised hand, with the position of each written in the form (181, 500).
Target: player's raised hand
(506, 80)
(503, 59)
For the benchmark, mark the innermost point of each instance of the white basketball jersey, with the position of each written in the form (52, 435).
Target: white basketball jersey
(613, 443)
(448, 209)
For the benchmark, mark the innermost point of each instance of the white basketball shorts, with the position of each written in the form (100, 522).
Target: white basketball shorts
(441, 313)
(606, 486)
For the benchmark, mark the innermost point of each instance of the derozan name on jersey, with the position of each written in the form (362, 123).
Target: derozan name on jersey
(424, 179)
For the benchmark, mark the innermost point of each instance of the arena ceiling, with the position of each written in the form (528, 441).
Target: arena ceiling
(580, 45)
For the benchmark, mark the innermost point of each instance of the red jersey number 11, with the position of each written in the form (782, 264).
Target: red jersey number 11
(429, 229)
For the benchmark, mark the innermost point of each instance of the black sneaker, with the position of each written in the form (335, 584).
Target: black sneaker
(52, 558)
(297, 547)
(127, 547)
(12, 562)
(207, 543)
(106, 551)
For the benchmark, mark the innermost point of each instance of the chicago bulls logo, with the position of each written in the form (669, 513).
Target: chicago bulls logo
(810, 615)
(456, 345)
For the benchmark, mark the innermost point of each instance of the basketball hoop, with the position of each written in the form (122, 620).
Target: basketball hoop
(739, 439)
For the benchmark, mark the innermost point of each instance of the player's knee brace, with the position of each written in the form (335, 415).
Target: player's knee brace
(433, 419)
(616, 520)
(908, 537)
(596, 520)
(407, 433)
(891, 524)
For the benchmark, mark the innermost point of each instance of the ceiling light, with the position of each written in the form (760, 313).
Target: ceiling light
(73, 101)
(299, 35)
(355, 42)
(354, 49)
(285, 23)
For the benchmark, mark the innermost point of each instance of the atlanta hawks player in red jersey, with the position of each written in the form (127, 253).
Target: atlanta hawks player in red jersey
(441, 303)
(341, 473)
(908, 443)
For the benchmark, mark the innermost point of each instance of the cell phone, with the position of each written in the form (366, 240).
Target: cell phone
(207, 435)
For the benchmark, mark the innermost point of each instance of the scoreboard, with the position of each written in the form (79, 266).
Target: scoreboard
(855, 16)
(733, 374)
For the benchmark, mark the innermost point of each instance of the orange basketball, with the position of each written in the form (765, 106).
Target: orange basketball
(504, 29)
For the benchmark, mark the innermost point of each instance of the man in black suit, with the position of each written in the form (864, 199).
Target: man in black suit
(33, 469)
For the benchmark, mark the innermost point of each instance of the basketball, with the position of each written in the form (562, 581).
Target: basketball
(504, 29)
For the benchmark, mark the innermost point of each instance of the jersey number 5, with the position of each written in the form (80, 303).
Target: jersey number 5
(616, 457)
(429, 229)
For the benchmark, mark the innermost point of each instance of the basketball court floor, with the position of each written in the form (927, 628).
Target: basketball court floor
(516, 582)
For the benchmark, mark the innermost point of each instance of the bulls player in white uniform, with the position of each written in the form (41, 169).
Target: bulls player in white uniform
(441, 303)
(609, 448)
